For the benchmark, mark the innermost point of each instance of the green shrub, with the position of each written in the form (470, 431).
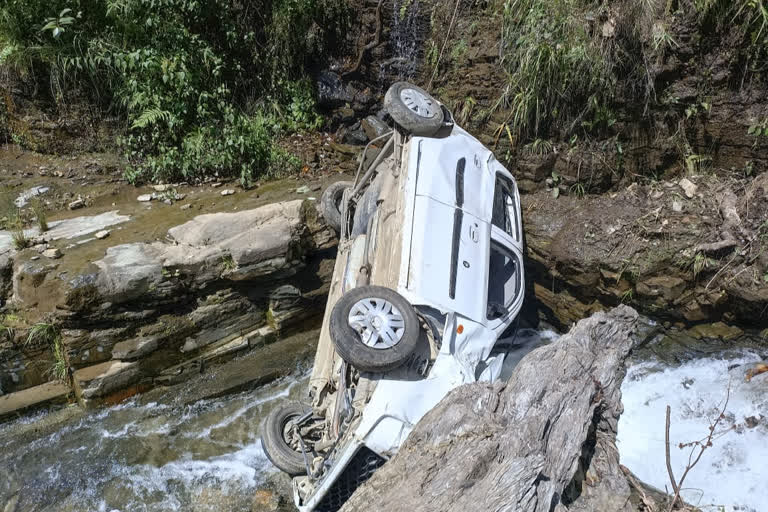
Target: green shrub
(565, 59)
(205, 86)
(554, 67)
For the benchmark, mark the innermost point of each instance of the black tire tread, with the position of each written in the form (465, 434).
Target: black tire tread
(277, 451)
(407, 119)
(329, 203)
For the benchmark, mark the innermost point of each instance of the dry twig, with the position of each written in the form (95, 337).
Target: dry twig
(701, 445)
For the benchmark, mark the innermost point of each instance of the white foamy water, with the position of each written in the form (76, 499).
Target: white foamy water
(732, 475)
(148, 457)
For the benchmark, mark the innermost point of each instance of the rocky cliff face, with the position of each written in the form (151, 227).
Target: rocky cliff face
(154, 313)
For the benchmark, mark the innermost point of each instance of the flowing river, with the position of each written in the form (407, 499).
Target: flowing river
(159, 454)
(139, 456)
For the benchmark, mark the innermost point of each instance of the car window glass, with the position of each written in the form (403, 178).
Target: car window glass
(503, 281)
(504, 210)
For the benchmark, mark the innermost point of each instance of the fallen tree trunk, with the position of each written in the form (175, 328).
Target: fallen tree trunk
(543, 441)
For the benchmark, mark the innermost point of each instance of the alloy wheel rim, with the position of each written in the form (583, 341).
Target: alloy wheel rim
(419, 103)
(378, 323)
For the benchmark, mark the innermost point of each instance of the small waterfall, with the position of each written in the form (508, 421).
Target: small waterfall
(406, 35)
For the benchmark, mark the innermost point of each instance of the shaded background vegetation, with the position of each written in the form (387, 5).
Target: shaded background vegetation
(204, 86)
(569, 61)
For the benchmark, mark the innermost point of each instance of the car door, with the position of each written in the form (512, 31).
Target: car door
(506, 280)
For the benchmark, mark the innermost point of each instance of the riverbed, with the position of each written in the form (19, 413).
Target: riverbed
(160, 453)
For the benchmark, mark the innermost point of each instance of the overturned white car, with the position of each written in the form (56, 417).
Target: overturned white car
(429, 275)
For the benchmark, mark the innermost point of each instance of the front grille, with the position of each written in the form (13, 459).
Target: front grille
(360, 468)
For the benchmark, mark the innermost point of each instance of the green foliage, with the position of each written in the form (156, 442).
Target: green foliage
(204, 85)
(38, 210)
(459, 51)
(59, 368)
(554, 67)
(578, 190)
(42, 334)
(7, 332)
(18, 236)
(759, 129)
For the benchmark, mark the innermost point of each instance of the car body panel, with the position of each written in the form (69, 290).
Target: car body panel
(425, 196)
(431, 269)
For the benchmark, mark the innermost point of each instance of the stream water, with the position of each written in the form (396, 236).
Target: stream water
(406, 37)
(164, 455)
(732, 474)
(142, 457)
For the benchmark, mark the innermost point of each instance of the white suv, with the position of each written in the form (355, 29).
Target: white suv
(429, 275)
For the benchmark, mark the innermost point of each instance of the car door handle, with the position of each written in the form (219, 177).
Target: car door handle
(474, 232)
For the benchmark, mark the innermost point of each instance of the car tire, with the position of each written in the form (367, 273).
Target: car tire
(273, 441)
(330, 203)
(395, 327)
(403, 101)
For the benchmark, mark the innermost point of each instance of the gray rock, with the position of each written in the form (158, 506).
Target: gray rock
(331, 90)
(373, 127)
(354, 137)
(303, 190)
(491, 444)
(76, 204)
(284, 297)
(101, 235)
(129, 271)
(227, 192)
(688, 187)
(52, 253)
(23, 198)
(145, 198)
(102, 379)
(135, 348)
(239, 245)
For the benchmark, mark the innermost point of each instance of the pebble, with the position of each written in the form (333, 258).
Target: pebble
(227, 192)
(303, 190)
(101, 235)
(144, 198)
(688, 187)
(161, 188)
(78, 203)
(53, 253)
(677, 206)
(215, 185)
(186, 207)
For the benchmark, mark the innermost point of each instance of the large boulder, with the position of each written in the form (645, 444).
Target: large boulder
(543, 441)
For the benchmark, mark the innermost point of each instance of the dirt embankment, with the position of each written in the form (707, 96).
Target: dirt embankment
(664, 209)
